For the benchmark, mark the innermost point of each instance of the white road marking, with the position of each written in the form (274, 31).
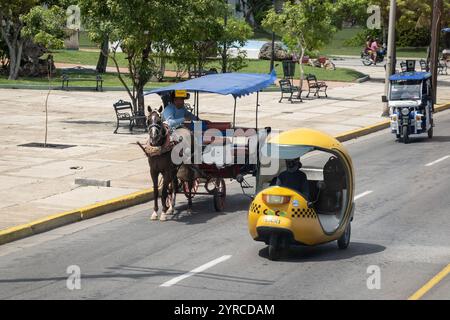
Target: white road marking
(195, 271)
(363, 194)
(436, 161)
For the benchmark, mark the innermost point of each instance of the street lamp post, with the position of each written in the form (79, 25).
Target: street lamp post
(391, 52)
(434, 54)
(272, 57)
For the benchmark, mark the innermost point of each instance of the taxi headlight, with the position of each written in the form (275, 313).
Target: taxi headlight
(405, 111)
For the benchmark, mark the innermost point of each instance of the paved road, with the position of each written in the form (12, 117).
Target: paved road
(401, 226)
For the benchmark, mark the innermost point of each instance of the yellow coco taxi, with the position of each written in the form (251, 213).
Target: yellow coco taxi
(305, 190)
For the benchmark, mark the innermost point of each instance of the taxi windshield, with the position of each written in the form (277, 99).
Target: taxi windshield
(405, 90)
(280, 151)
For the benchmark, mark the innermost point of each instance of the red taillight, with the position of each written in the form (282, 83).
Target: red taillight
(274, 199)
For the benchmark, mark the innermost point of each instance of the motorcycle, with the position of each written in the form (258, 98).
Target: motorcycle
(366, 56)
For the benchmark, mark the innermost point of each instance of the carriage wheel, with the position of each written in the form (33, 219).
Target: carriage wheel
(194, 189)
(220, 193)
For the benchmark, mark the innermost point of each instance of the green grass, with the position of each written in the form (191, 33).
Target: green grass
(109, 80)
(85, 42)
(263, 66)
(89, 58)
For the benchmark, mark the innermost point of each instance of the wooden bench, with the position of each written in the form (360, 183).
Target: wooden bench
(124, 112)
(81, 74)
(316, 86)
(286, 87)
(197, 74)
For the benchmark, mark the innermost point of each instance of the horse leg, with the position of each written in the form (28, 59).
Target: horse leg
(164, 200)
(154, 175)
(190, 186)
(173, 190)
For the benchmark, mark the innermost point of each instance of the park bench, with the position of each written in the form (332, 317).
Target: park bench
(81, 74)
(441, 66)
(316, 86)
(403, 67)
(423, 65)
(201, 73)
(286, 87)
(124, 112)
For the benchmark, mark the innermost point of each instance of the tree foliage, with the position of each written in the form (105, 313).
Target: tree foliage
(306, 25)
(23, 20)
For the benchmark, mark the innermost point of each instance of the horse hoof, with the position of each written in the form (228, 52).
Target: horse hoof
(163, 217)
(170, 210)
(189, 211)
(154, 216)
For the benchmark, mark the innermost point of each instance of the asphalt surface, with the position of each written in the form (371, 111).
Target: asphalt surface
(401, 227)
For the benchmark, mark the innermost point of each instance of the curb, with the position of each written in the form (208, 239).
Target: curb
(100, 208)
(68, 217)
(363, 79)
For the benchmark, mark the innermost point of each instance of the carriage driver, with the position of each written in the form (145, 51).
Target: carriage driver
(175, 113)
(293, 178)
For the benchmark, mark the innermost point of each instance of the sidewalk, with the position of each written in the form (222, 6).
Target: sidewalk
(37, 182)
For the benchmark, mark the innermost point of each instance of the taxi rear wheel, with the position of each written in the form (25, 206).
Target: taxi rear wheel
(344, 240)
(274, 247)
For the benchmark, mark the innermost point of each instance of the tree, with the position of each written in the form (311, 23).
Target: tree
(139, 27)
(235, 34)
(198, 34)
(24, 20)
(306, 25)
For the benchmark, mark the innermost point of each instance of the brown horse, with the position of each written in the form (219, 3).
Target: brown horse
(161, 163)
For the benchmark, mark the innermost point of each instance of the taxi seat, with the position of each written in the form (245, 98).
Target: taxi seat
(331, 197)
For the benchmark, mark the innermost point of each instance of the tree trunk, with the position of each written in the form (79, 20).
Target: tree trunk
(102, 62)
(15, 56)
(302, 54)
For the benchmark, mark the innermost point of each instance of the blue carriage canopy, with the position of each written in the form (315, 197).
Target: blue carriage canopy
(410, 76)
(236, 84)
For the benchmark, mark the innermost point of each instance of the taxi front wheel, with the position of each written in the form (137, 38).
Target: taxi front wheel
(344, 240)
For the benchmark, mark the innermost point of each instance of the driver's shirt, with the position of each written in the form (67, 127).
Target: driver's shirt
(294, 180)
(175, 117)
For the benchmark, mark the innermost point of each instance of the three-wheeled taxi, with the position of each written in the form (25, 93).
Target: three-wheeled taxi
(411, 104)
(305, 190)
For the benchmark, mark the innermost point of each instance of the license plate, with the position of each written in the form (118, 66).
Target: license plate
(271, 219)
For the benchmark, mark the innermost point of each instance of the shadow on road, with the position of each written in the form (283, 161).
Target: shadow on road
(326, 252)
(136, 272)
(203, 208)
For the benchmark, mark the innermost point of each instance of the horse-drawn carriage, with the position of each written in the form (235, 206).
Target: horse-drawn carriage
(206, 152)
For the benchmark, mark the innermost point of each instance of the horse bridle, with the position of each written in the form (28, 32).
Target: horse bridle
(160, 128)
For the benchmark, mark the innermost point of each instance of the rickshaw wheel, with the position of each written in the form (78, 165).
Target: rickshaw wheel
(430, 133)
(220, 193)
(274, 247)
(344, 240)
(405, 135)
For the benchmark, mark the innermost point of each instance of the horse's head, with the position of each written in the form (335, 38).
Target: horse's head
(156, 129)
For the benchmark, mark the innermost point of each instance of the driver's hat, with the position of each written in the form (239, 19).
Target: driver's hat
(181, 94)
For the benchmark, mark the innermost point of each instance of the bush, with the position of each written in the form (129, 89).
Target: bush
(360, 39)
(406, 37)
(410, 37)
